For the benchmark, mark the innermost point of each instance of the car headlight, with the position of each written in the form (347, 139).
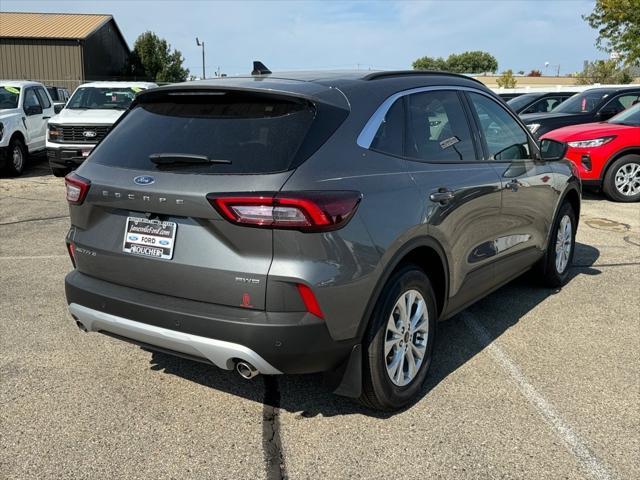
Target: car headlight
(55, 133)
(533, 127)
(596, 142)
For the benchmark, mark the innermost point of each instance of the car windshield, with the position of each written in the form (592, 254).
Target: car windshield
(519, 102)
(103, 98)
(9, 97)
(630, 116)
(585, 102)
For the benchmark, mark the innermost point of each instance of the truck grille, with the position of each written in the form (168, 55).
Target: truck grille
(84, 134)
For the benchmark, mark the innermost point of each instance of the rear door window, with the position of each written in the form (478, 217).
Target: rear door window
(249, 133)
(437, 128)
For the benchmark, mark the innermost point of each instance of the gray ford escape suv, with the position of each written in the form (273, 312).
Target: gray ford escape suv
(313, 222)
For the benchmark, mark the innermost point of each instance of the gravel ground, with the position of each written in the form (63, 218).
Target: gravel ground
(527, 383)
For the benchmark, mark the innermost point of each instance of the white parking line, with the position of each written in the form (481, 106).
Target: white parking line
(587, 460)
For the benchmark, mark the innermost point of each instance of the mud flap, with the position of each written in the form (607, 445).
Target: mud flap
(346, 380)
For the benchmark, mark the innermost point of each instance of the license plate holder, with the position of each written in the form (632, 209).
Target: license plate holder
(149, 238)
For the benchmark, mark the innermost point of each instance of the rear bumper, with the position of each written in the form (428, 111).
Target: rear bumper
(220, 353)
(274, 342)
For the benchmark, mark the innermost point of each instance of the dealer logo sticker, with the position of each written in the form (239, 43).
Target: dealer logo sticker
(144, 180)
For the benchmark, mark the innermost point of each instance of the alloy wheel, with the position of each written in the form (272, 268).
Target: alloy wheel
(627, 179)
(564, 241)
(406, 337)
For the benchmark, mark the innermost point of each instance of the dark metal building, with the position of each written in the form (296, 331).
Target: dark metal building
(61, 49)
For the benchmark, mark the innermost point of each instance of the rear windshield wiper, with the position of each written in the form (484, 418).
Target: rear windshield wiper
(186, 158)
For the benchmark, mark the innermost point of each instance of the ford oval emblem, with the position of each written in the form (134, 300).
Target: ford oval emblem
(144, 180)
(164, 242)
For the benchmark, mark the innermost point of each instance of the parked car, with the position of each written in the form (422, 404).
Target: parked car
(59, 95)
(539, 102)
(313, 222)
(25, 108)
(607, 154)
(89, 114)
(593, 105)
(508, 96)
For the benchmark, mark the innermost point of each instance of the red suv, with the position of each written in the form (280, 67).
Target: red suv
(607, 154)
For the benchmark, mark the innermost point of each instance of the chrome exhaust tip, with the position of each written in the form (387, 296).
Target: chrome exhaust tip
(246, 370)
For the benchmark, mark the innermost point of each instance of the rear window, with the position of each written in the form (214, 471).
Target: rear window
(250, 133)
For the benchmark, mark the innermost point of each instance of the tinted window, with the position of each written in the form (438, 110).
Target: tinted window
(53, 92)
(622, 102)
(44, 99)
(437, 129)
(9, 97)
(257, 134)
(505, 138)
(544, 105)
(390, 135)
(30, 98)
(520, 102)
(584, 102)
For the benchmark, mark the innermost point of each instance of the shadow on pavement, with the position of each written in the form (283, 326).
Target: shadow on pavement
(455, 345)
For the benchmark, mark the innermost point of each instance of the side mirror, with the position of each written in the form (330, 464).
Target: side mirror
(33, 110)
(606, 114)
(551, 150)
(58, 107)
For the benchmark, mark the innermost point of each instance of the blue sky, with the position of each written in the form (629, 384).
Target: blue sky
(292, 35)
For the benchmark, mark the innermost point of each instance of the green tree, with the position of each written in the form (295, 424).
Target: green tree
(618, 25)
(507, 80)
(465, 62)
(472, 62)
(603, 71)
(430, 63)
(153, 58)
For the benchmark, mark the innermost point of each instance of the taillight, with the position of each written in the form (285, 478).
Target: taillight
(77, 188)
(71, 248)
(305, 211)
(310, 301)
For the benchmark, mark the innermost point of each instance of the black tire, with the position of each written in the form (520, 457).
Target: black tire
(609, 183)
(15, 167)
(379, 392)
(550, 275)
(60, 171)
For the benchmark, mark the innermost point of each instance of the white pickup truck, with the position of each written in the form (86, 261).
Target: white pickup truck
(85, 120)
(25, 108)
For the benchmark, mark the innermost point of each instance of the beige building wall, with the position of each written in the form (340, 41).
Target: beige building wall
(52, 62)
(491, 81)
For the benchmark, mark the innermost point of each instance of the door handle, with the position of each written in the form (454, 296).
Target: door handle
(442, 196)
(513, 185)
(46, 118)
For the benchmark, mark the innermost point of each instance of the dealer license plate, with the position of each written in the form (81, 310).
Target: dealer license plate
(149, 238)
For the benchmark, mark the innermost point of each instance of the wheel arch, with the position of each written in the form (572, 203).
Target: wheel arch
(20, 136)
(616, 156)
(426, 253)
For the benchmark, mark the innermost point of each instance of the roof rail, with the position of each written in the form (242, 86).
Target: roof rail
(408, 73)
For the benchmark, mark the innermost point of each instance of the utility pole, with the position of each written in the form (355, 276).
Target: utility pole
(201, 44)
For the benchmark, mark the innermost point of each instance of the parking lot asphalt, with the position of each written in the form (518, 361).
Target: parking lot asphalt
(527, 383)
